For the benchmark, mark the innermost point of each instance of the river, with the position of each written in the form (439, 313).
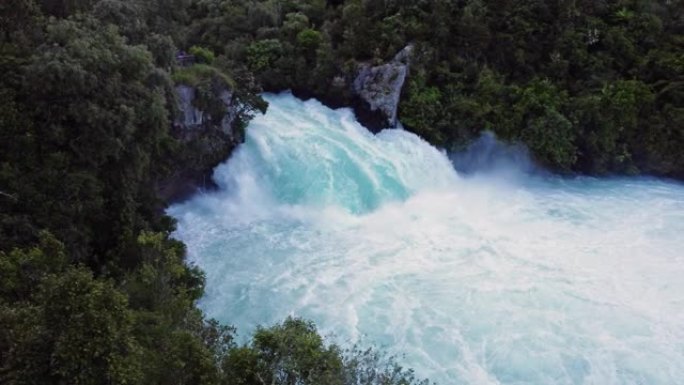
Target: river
(497, 276)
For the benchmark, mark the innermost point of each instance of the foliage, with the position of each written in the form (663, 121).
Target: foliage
(263, 54)
(93, 289)
(294, 353)
(202, 55)
(309, 39)
(477, 67)
(283, 354)
(197, 73)
(66, 326)
(422, 109)
(78, 135)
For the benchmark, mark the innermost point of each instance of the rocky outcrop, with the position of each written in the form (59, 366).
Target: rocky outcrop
(190, 118)
(204, 142)
(377, 90)
(372, 91)
(189, 115)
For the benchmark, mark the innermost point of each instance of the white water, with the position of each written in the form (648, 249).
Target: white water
(489, 279)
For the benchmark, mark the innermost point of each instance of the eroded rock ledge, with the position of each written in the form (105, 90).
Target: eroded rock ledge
(377, 90)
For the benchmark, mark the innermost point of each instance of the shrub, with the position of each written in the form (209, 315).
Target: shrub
(202, 55)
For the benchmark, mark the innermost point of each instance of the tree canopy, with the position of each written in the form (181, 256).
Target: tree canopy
(92, 287)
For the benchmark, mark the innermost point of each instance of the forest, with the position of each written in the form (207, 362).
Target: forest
(93, 288)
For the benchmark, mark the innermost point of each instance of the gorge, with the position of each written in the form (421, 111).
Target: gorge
(496, 276)
(535, 258)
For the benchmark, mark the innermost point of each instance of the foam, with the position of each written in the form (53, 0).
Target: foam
(477, 279)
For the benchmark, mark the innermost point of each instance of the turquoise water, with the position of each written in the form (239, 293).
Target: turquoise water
(497, 277)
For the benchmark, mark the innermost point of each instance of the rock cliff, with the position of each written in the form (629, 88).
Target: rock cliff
(377, 90)
(204, 141)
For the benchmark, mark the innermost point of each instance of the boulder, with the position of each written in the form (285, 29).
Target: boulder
(377, 90)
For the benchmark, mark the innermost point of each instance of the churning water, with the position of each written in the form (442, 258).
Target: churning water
(492, 278)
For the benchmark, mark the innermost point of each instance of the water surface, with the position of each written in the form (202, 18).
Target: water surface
(491, 278)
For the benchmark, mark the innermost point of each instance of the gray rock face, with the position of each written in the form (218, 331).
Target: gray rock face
(191, 118)
(228, 121)
(379, 87)
(204, 144)
(189, 115)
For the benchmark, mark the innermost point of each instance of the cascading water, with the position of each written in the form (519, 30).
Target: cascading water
(475, 280)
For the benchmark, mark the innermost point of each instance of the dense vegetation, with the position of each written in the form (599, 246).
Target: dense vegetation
(588, 86)
(92, 288)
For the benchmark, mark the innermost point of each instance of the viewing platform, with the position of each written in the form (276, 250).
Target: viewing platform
(185, 59)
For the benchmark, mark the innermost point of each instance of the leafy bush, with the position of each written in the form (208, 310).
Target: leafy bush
(309, 39)
(294, 353)
(197, 73)
(202, 55)
(263, 54)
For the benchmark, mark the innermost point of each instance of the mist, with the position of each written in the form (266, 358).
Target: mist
(488, 156)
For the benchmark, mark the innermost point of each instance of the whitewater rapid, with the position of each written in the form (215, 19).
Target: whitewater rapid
(492, 278)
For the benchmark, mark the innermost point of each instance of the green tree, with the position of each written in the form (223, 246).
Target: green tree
(546, 130)
(262, 54)
(309, 40)
(294, 353)
(100, 121)
(421, 110)
(202, 55)
(59, 324)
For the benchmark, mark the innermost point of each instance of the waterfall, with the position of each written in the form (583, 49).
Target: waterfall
(472, 279)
